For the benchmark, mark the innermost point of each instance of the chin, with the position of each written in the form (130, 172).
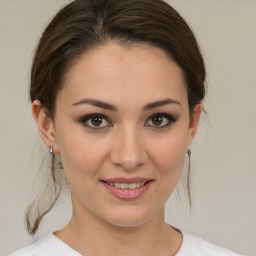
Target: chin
(127, 223)
(128, 217)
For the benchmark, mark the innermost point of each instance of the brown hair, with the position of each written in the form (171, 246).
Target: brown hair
(86, 24)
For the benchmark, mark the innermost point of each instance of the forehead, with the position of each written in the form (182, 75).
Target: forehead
(115, 71)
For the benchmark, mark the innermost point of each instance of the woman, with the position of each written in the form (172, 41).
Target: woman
(116, 91)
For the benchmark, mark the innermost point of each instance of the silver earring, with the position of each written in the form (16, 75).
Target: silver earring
(51, 150)
(189, 151)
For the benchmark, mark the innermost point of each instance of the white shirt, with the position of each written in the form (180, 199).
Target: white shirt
(50, 245)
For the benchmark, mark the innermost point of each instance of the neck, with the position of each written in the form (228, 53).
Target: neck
(89, 235)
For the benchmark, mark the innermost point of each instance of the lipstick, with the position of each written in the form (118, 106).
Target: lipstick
(127, 189)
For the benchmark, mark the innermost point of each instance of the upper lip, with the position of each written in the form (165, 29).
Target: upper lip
(127, 180)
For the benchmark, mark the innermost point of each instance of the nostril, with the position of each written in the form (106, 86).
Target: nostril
(129, 158)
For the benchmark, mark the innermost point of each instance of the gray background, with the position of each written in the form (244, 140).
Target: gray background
(223, 153)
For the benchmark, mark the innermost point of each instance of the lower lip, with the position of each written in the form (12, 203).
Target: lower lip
(127, 194)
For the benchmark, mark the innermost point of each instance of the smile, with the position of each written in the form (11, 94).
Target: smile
(127, 189)
(127, 185)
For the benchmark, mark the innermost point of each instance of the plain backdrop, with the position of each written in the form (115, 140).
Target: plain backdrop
(223, 153)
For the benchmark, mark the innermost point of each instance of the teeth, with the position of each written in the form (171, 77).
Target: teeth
(127, 185)
(132, 185)
(124, 185)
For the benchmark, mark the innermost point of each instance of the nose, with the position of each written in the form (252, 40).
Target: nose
(128, 149)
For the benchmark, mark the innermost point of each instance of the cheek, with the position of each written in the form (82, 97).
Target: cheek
(170, 154)
(169, 165)
(81, 155)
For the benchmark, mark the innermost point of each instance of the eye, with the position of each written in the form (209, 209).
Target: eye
(161, 120)
(95, 121)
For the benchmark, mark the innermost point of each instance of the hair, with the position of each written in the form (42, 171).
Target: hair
(83, 25)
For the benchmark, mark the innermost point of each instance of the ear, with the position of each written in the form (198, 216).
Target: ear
(45, 126)
(194, 121)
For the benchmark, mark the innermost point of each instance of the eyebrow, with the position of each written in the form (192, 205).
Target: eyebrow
(104, 105)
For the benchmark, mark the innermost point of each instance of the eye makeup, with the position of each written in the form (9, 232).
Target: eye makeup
(98, 121)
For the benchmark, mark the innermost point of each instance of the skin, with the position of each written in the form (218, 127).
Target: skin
(128, 145)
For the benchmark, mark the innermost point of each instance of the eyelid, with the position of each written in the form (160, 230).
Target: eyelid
(171, 119)
(89, 116)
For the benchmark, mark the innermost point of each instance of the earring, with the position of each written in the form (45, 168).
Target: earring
(51, 149)
(188, 177)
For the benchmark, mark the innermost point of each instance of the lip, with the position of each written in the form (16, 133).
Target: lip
(127, 194)
(127, 180)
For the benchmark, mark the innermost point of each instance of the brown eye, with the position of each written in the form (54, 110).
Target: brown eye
(161, 120)
(157, 120)
(96, 121)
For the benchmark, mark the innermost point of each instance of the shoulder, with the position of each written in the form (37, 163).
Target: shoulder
(38, 248)
(48, 245)
(193, 245)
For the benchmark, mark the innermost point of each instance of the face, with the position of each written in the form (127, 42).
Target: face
(122, 129)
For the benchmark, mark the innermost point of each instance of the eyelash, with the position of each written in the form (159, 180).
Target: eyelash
(86, 118)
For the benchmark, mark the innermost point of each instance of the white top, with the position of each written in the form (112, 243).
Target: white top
(50, 245)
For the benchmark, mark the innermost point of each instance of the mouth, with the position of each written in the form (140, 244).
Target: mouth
(134, 185)
(127, 189)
